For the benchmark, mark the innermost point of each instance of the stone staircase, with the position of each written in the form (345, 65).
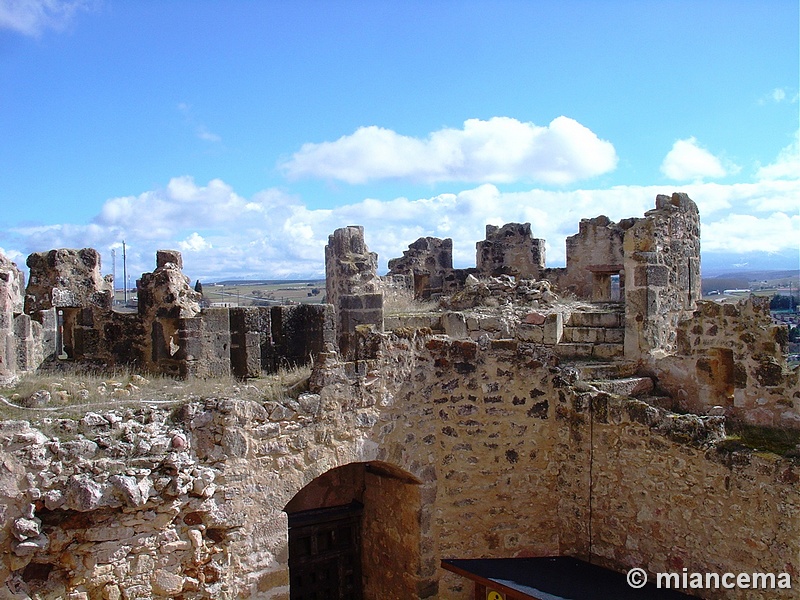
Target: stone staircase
(593, 342)
(596, 334)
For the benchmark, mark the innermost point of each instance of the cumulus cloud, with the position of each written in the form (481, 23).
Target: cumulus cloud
(273, 235)
(499, 150)
(687, 161)
(32, 17)
(195, 242)
(749, 233)
(786, 165)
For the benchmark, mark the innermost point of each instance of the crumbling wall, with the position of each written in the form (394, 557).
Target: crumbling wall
(65, 278)
(427, 262)
(668, 497)
(510, 250)
(662, 275)
(594, 255)
(115, 504)
(176, 342)
(352, 285)
(730, 355)
(17, 333)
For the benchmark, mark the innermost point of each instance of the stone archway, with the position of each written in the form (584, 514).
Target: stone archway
(354, 532)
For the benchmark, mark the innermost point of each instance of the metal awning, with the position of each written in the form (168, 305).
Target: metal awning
(551, 578)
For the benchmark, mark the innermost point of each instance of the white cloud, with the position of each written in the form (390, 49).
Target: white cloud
(195, 242)
(778, 95)
(272, 235)
(499, 150)
(786, 165)
(32, 17)
(749, 233)
(200, 130)
(687, 161)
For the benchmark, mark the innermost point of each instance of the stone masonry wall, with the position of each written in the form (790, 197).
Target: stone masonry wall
(730, 355)
(428, 262)
(510, 457)
(665, 503)
(596, 249)
(510, 250)
(352, 285)
(662, 275)
(18, 334)
(65, 278)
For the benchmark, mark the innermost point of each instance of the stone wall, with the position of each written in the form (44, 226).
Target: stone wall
(352, 285)
(455, 448)
(11, 285)
(662, 275)
(594, 254)
(65, 278)
(510, 250)
(427, 262)
(170, 335)
(730, 355)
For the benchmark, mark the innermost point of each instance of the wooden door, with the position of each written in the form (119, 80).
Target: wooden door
(325, 554)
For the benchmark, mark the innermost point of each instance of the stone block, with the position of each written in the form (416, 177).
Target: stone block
(573, 350)
(454, 325)
(530, 333)
(608, 350)
(164, 257)
(553, 328)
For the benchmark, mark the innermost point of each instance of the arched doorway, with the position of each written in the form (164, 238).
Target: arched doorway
(354, 533)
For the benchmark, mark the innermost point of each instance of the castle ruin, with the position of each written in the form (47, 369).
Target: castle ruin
(577, 411)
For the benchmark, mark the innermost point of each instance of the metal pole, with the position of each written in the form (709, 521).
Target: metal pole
(124, 274)
(113, 277)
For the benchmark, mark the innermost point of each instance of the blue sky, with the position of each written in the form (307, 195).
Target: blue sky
(243, 133)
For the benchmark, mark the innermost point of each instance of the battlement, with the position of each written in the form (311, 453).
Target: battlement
(528, 411)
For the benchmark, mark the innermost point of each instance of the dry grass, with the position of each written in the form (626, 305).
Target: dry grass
(400, 301)
(62, 394)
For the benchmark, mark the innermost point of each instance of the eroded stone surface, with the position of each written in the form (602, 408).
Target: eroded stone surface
(470, 429)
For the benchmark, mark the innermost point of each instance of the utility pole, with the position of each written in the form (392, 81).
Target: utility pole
(124, 274)
(113, 277)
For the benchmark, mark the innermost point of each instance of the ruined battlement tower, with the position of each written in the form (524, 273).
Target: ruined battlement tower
(352, 285)
(511, 250)
(531, 413)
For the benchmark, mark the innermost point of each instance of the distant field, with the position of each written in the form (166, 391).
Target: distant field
(760, 283)
(250, 293)
(264, 294)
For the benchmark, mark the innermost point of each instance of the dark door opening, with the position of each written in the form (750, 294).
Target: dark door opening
(325, 553)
